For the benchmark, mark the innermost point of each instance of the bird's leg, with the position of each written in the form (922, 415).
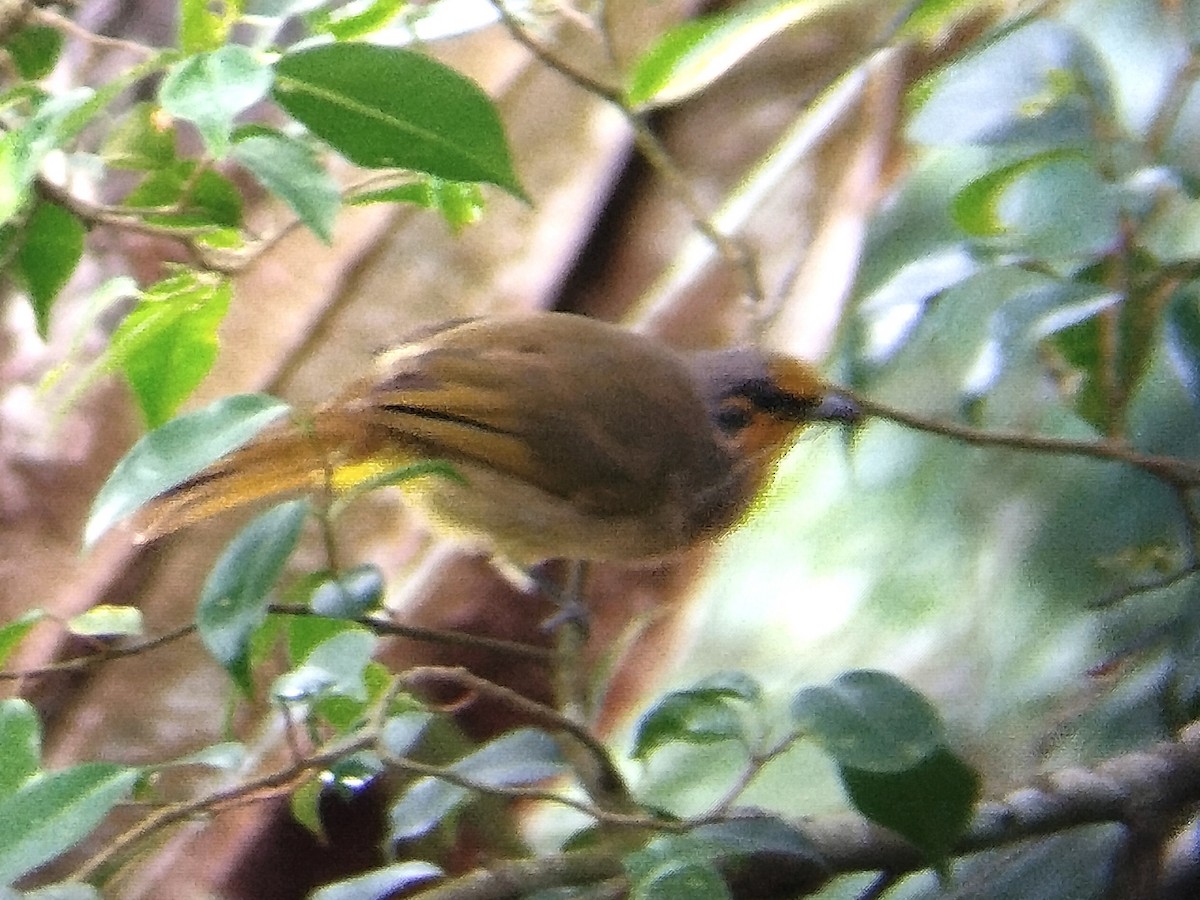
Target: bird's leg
(568, 597)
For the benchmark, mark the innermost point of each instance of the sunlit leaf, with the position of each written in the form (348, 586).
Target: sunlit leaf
(389, 108)
(379, 884)
(107, 620)
(691, 56)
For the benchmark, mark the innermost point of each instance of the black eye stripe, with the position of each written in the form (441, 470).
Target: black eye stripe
(765, 395)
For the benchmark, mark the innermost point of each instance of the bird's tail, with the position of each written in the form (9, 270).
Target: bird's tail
(275, 466)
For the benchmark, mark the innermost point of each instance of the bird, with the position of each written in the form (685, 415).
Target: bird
(565, 437)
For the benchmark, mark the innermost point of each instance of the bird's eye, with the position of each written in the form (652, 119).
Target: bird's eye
(732, 417)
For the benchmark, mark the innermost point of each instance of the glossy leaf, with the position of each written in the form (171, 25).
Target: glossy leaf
(378, 884)
(929, 804)
(388, 108)
(168, 342)
(177, 450)
(107, 620)
(233, 601)
(870, 721)
(757, 836)
(345, 656)
(705, 714)
(351, 595)
(23, 150)
(291, 170)
(522, 757)
(894, 308)
(401, 733)
(54, 811)
(691, 56)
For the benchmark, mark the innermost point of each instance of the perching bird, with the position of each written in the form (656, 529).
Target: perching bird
(571, 438)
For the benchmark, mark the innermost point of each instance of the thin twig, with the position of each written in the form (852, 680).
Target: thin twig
(1171, 470)
(734, 250)
(83, 662)
(433, 635)
(244, 792)
(605, 782)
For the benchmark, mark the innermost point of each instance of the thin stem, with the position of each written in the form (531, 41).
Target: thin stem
(1172, 470)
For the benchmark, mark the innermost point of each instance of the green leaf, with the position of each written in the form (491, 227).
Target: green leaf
(107, 620)
(928, 19)
(675, 867)
(212, 89)
(1182, 336)
(142, 140)
(52, 812)
(929, 804)
(35, 50)
(691, 56)
(290, 169)
(1172, 233)
(12, 633)
(1039, 86)
(50, 250)
(189, 198)
(1053, 204)
(345, 657)
(757, 837)
(226, 757)
(869, 720)
(171, 454)
(351, 595)
(382, 107)
(379, 884)
(518, 758)
(693, 880)
(20, 745)
(358, 19)
(23, 149)
(233, 601)
(305, 807)
(703, 714)
(401, 733)
(204, 25)
(168, 342)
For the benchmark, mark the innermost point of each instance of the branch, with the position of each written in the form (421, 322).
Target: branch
(82, 662)
(735, 251)
(1140, 791)
(1172, 470)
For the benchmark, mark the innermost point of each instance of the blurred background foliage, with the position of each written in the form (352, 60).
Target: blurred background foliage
(1030, 267)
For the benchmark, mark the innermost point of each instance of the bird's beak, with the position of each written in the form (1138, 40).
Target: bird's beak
(835, 407)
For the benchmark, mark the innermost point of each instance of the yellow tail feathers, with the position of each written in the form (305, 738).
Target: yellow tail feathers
(275, 466)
